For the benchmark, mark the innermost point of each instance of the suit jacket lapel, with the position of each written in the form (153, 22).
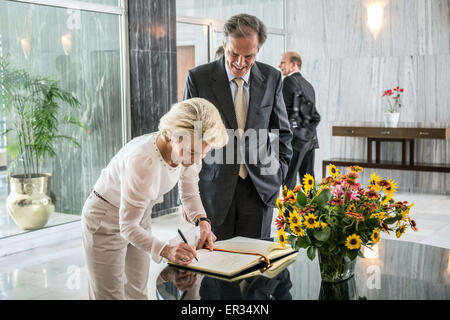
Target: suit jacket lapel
(221, 89)
(257, 90)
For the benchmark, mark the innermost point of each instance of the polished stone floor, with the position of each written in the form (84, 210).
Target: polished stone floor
(58, 271)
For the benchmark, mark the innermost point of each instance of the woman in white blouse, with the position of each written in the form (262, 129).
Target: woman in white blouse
(116, 218)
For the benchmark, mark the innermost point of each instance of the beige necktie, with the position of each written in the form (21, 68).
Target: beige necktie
(240, 107)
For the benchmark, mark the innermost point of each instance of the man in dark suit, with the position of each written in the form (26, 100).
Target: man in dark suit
(239, 197)
(300, 101)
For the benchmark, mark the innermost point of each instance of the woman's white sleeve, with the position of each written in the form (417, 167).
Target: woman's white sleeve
(189, 192)
(136, 180)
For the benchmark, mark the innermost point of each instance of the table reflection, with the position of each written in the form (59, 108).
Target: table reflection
(394, 270)
(177, 284)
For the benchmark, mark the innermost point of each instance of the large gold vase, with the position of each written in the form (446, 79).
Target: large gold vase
(29, 203)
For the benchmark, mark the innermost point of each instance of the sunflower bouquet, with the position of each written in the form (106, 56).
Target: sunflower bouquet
(338, 216)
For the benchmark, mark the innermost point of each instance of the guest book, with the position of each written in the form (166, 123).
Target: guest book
(239, 256)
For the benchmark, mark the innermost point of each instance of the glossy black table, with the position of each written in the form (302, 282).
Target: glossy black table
(394, 270)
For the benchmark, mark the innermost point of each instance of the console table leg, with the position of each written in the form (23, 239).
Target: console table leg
(411, 151)
(404, 151)
(377, 151)
(324, 168)
(369, 150)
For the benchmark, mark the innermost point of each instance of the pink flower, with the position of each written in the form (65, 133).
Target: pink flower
(280, 222)
(353, 195)
(337, 192)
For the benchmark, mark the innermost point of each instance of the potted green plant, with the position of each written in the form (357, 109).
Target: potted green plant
(32, 105)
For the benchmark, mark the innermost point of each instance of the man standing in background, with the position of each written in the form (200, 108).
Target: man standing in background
(238, 197)
(300, 101)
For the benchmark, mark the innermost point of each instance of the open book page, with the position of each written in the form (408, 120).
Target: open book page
(271, 272)
(229, 263)
(269, 249)
(225, 263)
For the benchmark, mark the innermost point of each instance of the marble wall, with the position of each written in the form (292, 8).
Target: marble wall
(153, 69)
(350, 68)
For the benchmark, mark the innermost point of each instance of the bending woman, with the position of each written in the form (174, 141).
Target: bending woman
(116, 218)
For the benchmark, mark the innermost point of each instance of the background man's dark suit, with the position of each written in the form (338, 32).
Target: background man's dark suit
(308, 118)
(219, 182)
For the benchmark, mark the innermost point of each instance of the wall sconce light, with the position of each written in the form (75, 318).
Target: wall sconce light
(158, 31)
(375, 18)
(66, 41)
(26, 46)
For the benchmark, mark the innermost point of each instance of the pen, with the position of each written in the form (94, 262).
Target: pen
(184, 239)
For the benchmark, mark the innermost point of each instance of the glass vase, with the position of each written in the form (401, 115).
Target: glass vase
(336, 267)
(343, 290)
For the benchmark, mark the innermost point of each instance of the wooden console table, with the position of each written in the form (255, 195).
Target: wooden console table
(379, 134)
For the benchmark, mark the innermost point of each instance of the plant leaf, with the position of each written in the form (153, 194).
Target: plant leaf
(311, 253)
(393, 219)
(352, 254)
(323, 198)
(303, 242)
(301, 199)
(322, 235)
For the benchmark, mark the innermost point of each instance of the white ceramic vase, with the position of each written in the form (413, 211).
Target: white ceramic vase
(391, 119)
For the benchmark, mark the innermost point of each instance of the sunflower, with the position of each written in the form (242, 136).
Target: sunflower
(351, 208)
(387, 199)
(390, 188)
(308, 182)
(404, 215)
(408, 208)
(279, 204)
(281, 236)
(353, 242)
(373, 182)
(294, 218)
(310, 221)
(400, 230)
(376, 235)
(383, 184)
(290, 197)
(284, 192)
(332, 170)
(319, 224)
(297, 230)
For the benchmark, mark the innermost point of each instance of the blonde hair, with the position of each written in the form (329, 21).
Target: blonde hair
(184, 115)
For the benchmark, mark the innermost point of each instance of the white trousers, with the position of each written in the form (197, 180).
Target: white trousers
(116, 269)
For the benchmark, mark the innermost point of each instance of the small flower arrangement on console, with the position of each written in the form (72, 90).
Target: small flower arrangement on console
(393, 96)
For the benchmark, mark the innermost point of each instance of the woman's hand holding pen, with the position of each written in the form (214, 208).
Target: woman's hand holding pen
(181, 253)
